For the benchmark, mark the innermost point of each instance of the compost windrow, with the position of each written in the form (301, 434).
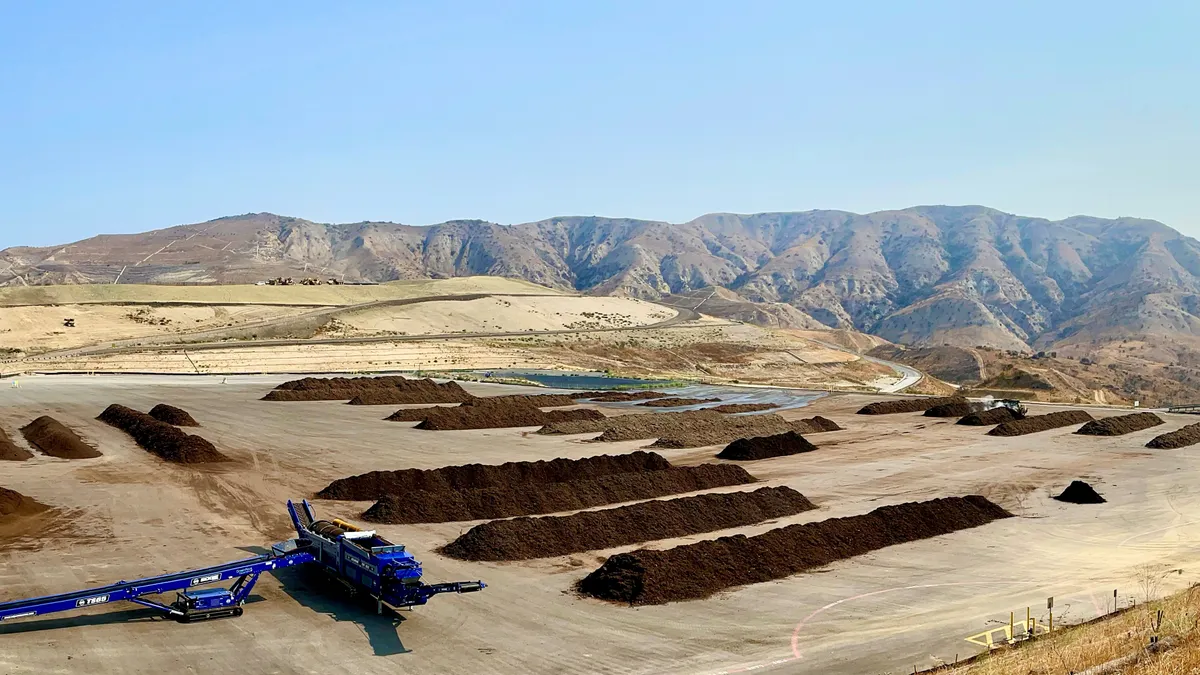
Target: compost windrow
(57, 439)
(694, 571)
(907, 405)
(160, 438)
(10, 451)
(1036, 423)
(377, 484)
(172, 415)
(1120, 424)
(524, 538)
(764, 447)
(524, 500)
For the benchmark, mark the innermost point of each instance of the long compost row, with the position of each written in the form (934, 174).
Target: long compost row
(1036, 423)
(477, 491)
(160, 438)
(523, 538)
(688, 429)
(693, 571)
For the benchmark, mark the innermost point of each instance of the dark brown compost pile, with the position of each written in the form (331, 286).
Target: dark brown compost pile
(160, 438)
(989, 417)
(172, 415)
(907, 405)
(523, 538)
(763, 447)
(482, 413)
(693, 571)
(1036, 423)
(1120, 425)
(674, 402)
(735, 408)
(13, 503)
(377, 484)
(956, 409)
(11, 451)
(818, 424)
(618, 396)
(1180, 438)
(1079, 492)
(386, 390)
(57, 440)
(524, 500)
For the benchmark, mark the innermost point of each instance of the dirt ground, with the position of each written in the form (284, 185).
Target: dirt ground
(128, 514)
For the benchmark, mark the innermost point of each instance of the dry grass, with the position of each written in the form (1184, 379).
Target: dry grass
(1077, 648)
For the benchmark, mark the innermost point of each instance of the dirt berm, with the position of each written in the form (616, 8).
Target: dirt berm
(907, 405)
(392, 390)
(1120, 425)
(161, 438)
(377, 484)
(687, 429)
(618, 396)
(11, 451)
(526, 500)
(676, 402)
(55, 439)
(524, 538)
(956, 409)
(482, 413)
(735, 408)
(762, 447)
(987, 418)
(13, 503)
(172, 415)
(693, 571)
(1180, 438)
(1036, 423)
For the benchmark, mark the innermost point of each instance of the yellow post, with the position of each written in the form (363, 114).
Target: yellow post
(1012, 635)
(1028, 620)
(1051, 628)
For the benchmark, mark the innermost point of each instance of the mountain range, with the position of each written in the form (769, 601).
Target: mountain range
(927, 275)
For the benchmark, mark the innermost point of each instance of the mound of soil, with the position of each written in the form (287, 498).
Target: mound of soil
(618, 396)
(524, 500)
(907, 405)
(1079, 492)
(1180, 438)
(482, 413)
(818, 424)
(1121, 424)
(161, 438)
(674, 402)
(11, 451)
(1036, 423)
(172, 415)
(15, 503)
(987, 418)
(386, 390)
(55, 439)
(956, 409)
(734, 408)
(377, 484)
(762, 447)
(698, 570)
(523, 538)
(412, 414)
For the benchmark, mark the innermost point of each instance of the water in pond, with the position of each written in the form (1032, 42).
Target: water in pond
(784, 398)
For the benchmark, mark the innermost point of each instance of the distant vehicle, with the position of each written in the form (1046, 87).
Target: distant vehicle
(69, 323)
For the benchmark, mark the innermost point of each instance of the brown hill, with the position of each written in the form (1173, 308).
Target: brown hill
(965, 275)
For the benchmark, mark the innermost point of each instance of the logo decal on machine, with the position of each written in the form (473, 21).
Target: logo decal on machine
(96, 600)
(206, 579)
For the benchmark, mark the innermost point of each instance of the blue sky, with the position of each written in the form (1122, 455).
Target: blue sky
(128, 116)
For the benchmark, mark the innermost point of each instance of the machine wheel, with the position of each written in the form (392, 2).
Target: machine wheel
(237, 612)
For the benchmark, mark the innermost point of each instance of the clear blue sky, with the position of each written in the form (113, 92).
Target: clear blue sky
(127, 116)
